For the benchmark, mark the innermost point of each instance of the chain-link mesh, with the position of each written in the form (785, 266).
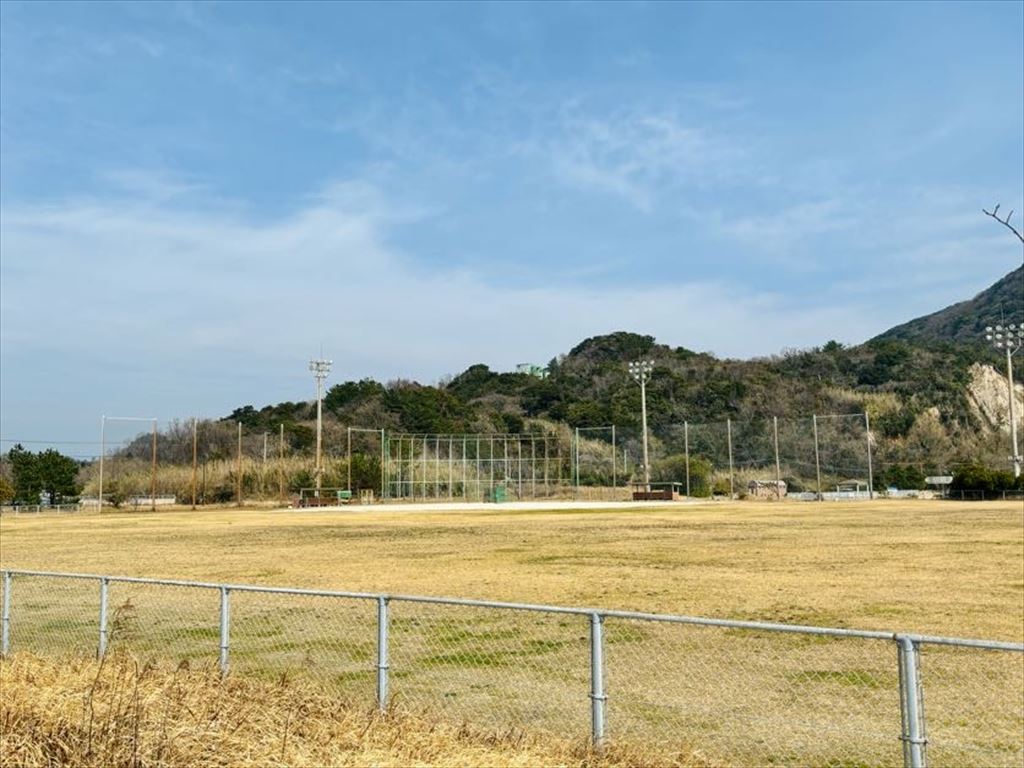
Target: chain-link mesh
(164, 621)
(754, 698)
(973, 706)
(330, 640)
(55, 615)
(843, 453)
(720, 695)
(499, 668)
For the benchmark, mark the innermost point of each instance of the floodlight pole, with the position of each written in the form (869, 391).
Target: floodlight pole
(641, 372)
(1010, 339)
(319, 368)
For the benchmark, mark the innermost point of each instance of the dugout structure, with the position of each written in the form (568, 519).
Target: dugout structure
(475, 467)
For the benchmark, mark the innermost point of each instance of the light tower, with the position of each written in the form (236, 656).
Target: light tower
(641, 371)
(319, 369)
(1009, 338)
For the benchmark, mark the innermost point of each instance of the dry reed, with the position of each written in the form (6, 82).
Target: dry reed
(120, 712)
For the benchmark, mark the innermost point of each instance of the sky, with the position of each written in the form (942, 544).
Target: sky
(197, 198)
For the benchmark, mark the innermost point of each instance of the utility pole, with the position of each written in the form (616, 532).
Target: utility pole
(319, 368)
(641, 372)
(1010, 339)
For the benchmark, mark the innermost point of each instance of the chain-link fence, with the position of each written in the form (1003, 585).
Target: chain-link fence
(721, 692)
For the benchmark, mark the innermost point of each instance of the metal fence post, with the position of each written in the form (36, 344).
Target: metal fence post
(597, 696)
(911, 706)
(225, 628)
(5, 631)
(382, 653)
(101, 649)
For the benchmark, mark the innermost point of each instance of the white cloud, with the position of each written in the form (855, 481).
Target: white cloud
(181, 292)
(636, 155)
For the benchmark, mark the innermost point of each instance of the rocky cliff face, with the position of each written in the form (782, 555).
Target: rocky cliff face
(986, 394)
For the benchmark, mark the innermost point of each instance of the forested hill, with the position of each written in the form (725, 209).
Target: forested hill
(922, 368)
(965, 321)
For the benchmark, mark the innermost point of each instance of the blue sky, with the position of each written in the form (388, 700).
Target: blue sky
(195, 197)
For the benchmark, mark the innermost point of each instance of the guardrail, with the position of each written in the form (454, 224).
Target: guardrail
(743, 692)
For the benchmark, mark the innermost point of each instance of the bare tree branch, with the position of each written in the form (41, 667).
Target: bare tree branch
(994, 213)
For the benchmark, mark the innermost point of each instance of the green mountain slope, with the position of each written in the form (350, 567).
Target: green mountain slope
(965, 321)
(917, 381)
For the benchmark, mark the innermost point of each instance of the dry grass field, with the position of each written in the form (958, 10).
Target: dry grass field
(710, 694)
(928, 567)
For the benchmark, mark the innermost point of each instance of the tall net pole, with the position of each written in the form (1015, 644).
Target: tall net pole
(195, 456)
(152, 477)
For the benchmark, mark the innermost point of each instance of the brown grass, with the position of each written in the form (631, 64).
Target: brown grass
(118, 713)
(930, 567)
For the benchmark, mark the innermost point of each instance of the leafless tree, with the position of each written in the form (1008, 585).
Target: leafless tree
(1005, 222)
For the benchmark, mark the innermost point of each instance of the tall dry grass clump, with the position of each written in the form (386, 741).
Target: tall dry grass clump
(120, 713)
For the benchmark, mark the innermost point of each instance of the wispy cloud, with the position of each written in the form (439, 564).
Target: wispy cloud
(635, 155)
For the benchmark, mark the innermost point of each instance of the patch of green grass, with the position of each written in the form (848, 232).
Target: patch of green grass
(856, 678)
(475, 660)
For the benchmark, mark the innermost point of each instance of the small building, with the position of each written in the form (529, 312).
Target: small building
(537, 371)
(766, 489)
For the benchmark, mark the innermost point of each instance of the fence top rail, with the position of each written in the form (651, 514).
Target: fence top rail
(603, 612)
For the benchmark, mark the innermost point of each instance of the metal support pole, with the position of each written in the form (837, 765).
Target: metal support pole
(101, 649)
(383, 467)
(319, 433)
(280, 457)
(547, 486)
(533, 467)
(778, 467)
(348, 454)
(576, 463)
(152, 480)
(686, 447)
(817, 456)
(1016, 458)
(225, 628)
(871, 474)
(519, 465)
(103, 450)
(728, 437)
(382, 654)
(195, 457)
(451, 469)
(643, 418)
(5, 627)
(597, 695)
(614, 467)
(238, 483)
(912, 706)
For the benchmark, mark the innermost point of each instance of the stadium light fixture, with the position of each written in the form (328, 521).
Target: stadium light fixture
(640, 370)
(319, 368)
(1009, 338)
